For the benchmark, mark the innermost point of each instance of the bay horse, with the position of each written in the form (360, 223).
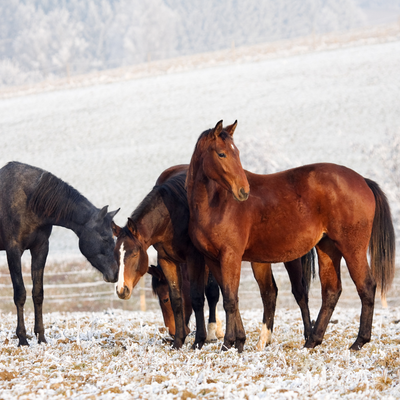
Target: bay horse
(162, 220)
(31, 202)
(160, 289)
(237, 215)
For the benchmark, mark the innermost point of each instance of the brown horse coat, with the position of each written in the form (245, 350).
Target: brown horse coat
(280, 217)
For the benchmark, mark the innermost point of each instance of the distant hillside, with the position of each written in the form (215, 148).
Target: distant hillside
(41, 39)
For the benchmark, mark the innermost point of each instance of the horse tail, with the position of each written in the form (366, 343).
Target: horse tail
(308, 268)
(382, 244)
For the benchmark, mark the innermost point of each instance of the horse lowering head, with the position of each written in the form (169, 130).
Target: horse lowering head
(131, 257)
(96, 243)
(221, 162)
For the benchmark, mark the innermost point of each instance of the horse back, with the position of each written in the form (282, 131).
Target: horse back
(292, 210)
(171, 172)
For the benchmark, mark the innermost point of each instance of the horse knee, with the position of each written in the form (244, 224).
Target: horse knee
(230, 305)
(38, 296)
(20, 297)
(331, 296)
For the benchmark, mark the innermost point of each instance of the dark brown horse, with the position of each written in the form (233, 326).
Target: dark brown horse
(160, 288)
(237, 216)
(162, 220)
(31, 202)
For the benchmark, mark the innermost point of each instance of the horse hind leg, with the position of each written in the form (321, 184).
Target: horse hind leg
(269, 292)
(39, 256)
(331, 287)
(212, 295)
(366, 287)
(300, 293)
(14, 265)
(196, 270)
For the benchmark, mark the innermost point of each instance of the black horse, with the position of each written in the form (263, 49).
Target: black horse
(31, 202)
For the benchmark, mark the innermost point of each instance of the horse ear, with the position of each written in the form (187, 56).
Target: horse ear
(112, 214)
(231, 128)
(217, 130)
(116, 230)
(103, 212)
(132, 226)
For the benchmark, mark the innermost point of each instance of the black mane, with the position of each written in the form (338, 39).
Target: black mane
(174, 187)
(53, 198)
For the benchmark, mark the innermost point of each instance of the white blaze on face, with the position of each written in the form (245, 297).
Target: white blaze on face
(120, 283)
(233, 147)
(265, 338)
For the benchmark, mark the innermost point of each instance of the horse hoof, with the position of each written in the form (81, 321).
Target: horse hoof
(239, 345)
(177, 344)
(311, 343)
(358, 344)
(226, 346)
(197, 346)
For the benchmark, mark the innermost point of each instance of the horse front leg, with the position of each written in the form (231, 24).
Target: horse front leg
(230, 266)
(173, 275)
(14, 266)
(269, 292)
(300, 292)
(39, 255)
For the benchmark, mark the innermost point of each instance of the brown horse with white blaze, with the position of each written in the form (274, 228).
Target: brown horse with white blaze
(237, 216)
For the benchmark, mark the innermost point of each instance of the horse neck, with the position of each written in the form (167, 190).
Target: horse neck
(201, 190)
(151, 222)
(78, 216)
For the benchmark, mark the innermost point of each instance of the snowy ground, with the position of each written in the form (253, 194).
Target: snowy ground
(122, 355)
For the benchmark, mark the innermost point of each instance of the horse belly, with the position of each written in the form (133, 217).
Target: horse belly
(282, 245)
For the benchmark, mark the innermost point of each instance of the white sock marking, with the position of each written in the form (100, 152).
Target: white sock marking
(121, 271)
(265, 338)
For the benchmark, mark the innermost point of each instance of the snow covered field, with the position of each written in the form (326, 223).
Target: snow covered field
(111, 141)
(122, 355)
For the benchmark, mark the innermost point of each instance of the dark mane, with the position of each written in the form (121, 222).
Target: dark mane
(174, 187)
(53, 198)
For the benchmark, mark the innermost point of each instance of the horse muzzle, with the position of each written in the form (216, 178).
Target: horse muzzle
(242, 195)
(124, 294)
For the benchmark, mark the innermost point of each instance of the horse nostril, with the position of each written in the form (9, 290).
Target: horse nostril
(243, 194)
(124, 294)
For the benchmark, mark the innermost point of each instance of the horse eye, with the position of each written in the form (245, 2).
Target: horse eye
(221, 155)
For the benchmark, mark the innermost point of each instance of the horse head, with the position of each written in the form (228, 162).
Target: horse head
(130, 256)
(220, 160)
(96, 243)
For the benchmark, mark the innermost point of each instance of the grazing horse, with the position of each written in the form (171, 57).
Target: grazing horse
(160, 288)
(236, 215)
(162, 220)
(31, 202)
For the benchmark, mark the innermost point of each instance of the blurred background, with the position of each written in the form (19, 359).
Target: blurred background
(45, 39)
